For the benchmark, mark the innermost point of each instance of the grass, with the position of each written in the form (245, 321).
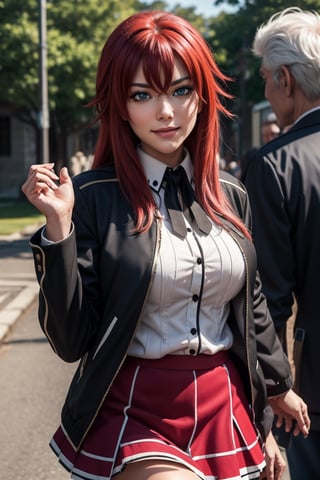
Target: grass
(17, 215)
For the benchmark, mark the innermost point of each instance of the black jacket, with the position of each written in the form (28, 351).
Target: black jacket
(283, 184)
(93, 287)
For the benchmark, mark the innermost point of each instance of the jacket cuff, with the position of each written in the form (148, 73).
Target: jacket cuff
(274, 390)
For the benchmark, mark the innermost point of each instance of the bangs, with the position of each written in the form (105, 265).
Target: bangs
(158, 67)
(156, 57)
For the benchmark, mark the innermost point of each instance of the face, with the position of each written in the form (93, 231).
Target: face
(269, 132)
(163, 121)
(277, 94)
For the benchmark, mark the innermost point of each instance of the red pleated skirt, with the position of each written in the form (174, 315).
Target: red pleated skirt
(190, 410)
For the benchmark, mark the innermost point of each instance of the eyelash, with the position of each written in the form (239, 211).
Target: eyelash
(135, 95)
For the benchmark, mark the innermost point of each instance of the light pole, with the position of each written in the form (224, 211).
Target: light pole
(44, 110)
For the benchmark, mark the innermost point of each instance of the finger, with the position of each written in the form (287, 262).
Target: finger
(49, 177)
(64, 175)
(303, 420)
(43, 169)
(42, 188)
(306, 417)
(304, 429)
(48, 166)
(289, 424)
(279, 420)
(270, 470)
(279, 468)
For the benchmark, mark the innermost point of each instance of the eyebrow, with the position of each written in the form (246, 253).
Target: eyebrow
(175, 82)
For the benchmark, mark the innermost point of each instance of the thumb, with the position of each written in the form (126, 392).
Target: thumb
(64, 175)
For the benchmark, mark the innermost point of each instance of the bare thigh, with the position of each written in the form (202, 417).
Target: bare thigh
(156, 470)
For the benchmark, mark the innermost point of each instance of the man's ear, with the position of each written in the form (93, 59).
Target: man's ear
(286, 79)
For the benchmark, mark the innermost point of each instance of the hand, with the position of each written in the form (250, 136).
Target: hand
(274, 460)
(53, 196)
(292, 412)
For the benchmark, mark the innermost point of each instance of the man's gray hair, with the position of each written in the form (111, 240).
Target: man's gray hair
(291, 38)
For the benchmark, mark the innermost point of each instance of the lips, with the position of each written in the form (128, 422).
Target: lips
(166, 132)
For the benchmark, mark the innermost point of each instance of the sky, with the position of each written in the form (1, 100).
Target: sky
(203, 7)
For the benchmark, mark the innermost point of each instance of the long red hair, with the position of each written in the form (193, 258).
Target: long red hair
(156, 40)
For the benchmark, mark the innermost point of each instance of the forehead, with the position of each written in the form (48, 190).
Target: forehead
(265, 72)
(179, 71)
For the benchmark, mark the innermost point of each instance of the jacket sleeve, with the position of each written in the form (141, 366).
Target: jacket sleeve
(272, 236)
(272, 360)
(69, 298)
(270, 354)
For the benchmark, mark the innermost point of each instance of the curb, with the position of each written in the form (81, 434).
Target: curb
(26, 232)
(27, 290)
(14, 309)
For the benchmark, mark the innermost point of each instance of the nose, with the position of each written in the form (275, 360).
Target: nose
(165, 108)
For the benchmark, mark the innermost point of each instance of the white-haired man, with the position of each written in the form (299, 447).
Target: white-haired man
(283, 183)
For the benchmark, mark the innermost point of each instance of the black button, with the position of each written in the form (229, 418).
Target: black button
(195, 298)
(193, 331)
(199, 261)
(189, 229)
(155, 183)
(192, 351)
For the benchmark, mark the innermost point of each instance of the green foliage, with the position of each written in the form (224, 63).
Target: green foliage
(76, 32)
(189, 13)
(17, 215)
(234, 34)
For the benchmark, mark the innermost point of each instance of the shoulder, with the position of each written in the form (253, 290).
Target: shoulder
(231, 185)
(305, 131)
(99, 176)
(99, 198)
(288, 151)
(98, 186)
(237, 196)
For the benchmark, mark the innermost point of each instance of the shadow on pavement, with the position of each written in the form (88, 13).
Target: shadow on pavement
(17, 248)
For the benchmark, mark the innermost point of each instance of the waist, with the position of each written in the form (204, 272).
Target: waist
(183, 362)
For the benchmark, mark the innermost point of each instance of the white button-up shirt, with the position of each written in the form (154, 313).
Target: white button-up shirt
(195, 279)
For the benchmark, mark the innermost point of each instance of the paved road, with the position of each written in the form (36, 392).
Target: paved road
(18, 285)
(33, 383)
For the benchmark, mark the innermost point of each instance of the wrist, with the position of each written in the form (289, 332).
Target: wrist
(57, 230)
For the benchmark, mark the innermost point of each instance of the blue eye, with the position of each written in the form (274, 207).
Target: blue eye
(140, 96)
(183, 91)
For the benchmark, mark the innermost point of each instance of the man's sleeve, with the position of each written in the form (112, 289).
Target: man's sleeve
(272, 236)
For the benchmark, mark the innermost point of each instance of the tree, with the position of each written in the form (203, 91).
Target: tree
(234, 35)
(76, 33)
(232, 40)
(189, 13)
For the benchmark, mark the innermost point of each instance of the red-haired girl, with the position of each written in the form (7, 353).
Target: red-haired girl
(148, 275)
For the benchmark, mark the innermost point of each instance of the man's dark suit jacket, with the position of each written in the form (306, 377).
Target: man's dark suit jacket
(283, 182)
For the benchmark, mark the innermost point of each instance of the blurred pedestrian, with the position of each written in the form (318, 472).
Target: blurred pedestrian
(269, 130)
(78, 163)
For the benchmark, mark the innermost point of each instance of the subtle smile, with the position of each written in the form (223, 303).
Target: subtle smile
(166, 132)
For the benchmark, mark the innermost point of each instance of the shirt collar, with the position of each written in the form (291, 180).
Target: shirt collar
(305, 114)
(155, 169)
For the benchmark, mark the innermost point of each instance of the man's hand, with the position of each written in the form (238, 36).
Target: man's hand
(292, 412)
